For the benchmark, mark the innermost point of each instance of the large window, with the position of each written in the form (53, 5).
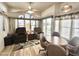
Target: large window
(37, 23)
(75, 28)
(68, 29)
(27, 25)
(32, 25)
(65, 28)
(21, 23)
(47, 26)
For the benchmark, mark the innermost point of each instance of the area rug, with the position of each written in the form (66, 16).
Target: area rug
(18, 48)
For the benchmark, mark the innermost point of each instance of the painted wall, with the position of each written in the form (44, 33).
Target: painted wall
(52, 10)
(3, 33)
(49, 11)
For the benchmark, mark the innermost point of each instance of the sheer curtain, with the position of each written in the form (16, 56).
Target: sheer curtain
(11, 25)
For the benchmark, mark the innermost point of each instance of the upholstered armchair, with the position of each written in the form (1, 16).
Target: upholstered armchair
(56, 34)
(73, 46)
(43, 42)
(20, 35)
(55, 50)
(37, 31)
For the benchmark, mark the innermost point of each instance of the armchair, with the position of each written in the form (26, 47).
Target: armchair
(20, 35)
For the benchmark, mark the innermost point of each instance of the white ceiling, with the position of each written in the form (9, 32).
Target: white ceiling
(41, 6)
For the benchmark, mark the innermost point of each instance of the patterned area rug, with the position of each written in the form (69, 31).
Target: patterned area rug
(19, 48)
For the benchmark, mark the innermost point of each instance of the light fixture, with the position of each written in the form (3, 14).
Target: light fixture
(30, 7)
(30, 11)
(67, 8)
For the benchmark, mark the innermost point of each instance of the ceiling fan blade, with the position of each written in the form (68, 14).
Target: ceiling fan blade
(35, 10)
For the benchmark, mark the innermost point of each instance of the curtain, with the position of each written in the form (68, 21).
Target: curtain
(11, 25)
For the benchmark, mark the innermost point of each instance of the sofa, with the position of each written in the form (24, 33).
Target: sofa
(19, 36)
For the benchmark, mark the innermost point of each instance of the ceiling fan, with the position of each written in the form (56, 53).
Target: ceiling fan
(29, 10)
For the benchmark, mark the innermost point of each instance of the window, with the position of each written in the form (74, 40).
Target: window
(75, 28)
(32, 24)
(27, 16)
(21, 16)
(47, 27)
(37, 23)
(27, 25)
(65, 28)
(21, 23)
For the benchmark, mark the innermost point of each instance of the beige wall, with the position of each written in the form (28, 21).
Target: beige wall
(49, 11)
(52, 10)
(3, 33)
